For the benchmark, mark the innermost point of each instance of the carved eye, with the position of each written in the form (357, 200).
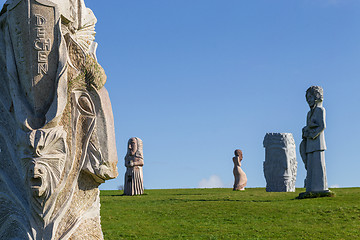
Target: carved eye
(85, 104)
(37, 152)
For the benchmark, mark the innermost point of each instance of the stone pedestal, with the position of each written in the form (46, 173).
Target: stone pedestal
(280, 165)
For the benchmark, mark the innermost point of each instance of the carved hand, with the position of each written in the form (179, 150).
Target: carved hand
(305, 132)
(138, 162)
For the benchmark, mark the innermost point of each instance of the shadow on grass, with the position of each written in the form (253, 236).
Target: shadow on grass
(306, 195)
(226, 200)
(123, 195)
(187, 194)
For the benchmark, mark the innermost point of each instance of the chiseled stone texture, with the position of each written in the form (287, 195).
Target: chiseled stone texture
(280, 165)
(134, 162)
(57, 142)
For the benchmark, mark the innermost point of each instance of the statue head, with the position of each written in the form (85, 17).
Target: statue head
(314, 95)
(238, 153)
(135, 147)
(132, 146)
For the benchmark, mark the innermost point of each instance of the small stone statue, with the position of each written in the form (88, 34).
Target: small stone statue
(280, 165)
(239, 174)
(312, 148)
(134, 174)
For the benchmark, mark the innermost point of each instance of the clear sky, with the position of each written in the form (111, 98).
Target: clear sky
(196, 79)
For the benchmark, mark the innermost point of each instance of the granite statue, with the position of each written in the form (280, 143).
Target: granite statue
(57, 140)
(312, 147)
(280, 165)
(239, 175)
(134, 162)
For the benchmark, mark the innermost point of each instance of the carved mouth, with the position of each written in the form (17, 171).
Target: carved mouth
(36, 182)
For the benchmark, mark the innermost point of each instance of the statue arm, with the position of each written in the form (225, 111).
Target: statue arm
(128, 162)
(138, 162)
(305, 132)
(306, 129)
(303, 152)
(319, 125)
(236, 161)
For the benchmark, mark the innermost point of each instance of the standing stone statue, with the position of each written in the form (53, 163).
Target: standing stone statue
(239, 174)
(134, 161)
(280, 166)
(57, 142)
(312, 147)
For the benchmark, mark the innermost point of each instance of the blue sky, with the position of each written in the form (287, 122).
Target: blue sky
(196, 79)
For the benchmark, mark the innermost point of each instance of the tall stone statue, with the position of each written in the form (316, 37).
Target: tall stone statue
(280, 165)
(239, 175)
(312, 147)
(134, 161)
(57, 142)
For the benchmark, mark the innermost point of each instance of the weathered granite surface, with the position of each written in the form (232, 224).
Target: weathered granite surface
(312, 147)
(134, 161)
(280, 165)
(57, 142)
(240, 179)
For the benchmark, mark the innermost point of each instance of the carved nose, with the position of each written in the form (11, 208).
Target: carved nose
(38, 170)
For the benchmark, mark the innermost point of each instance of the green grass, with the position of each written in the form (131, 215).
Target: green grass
(226, 214)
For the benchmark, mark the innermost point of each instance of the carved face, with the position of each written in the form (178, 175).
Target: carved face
(132, 146)
(44, 158)
(38, 177)
(310, 98)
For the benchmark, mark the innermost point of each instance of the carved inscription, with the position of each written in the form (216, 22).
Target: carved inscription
(42, 45)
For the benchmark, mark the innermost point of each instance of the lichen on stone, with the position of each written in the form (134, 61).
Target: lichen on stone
(94, 74)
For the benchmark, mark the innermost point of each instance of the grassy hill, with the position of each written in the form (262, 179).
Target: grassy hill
(226, 214)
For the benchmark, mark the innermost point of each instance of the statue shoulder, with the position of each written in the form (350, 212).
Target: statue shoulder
(320, 110)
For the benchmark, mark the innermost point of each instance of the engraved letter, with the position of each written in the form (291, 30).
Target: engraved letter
(40, 20)
(42, 44)
(42, 57)
(37, 44)
(42, 68)
(40, 32)
(47, 44)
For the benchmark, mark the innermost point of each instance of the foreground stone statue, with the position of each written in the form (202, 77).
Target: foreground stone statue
(134, 161)
(280, 166)
(57, 142)
(312, 147)
(239, 175)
